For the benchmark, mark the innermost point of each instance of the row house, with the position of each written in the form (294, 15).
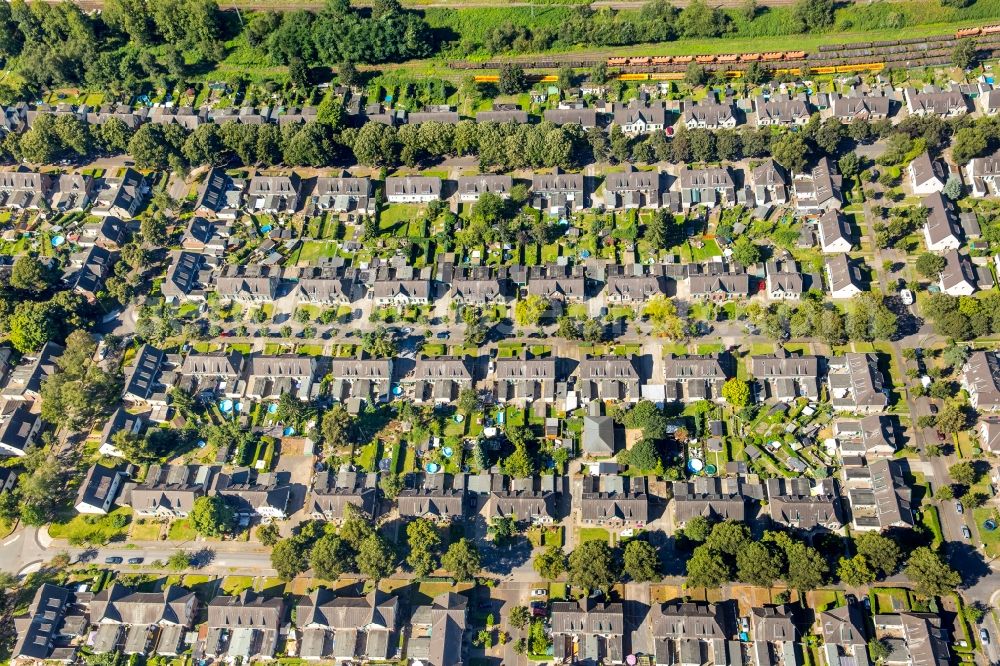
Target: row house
(526, 380)
(19, 429)
(798, 503)
(981, 379)
(99, 489)
(692, 632)
(412, 189)
(438, 380)
(558, 193)
(437, 631)
(690, 378)
(916, 639)
(25, 381)
(784, 281)
(121, 196)
(360, 382)
(856, 384)
(250, 285)
(608, 378)
(273, 194)
(587, 631)
(714, 498)
(707, 186)
(345, 194)
(137, 623)
(328, 286)
(243, 627)
(637, 117)
(502, 115)
(170, 491)
(556, 284)
(586, 118)
(598, 437)
(633, 284)
(611, 499)
(531, 500)
(470, 188)
(331, 492)
(401, 287)
(933, 101)
(926, 175)
(479, 286)
(781, 110)
(213, 374)
(859, 106)
(982, 174)
(818, 189)
(52, 628)
(254, 495)
(717, 281)
(121, 420)
(709, 114)
(348, 628)
(942, 230)
(632, 189)
(72, 192)
(436, 497)
(775, 636)
(844, 277)
(270, 377)
(145, 378)
(24, 190)
(87, 271)
(784, 377)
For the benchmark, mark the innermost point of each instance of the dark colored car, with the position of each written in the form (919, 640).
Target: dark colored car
(113, 560)
(135, 560)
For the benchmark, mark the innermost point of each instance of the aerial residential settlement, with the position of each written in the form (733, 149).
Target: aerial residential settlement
(563, 358)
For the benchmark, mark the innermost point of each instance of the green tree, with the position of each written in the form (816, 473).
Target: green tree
(930, 265)
(288, 559)
(592, 566)
(551, 562)
(375, 558)
(512, 79)
(643, 456)
(424, 543)
(697, 529)
(379, 343)
(931, 575)
(468, 401)
(745, 251)
(462, 560)
(640, 561)
(707, 567)
(728, 537)
(178, 561)
(336, 426)
(519, 617)
(268, 534)
(878, 650)
(807, 569)
(758, 564)
(882, 553)
(29, 275)
(856, 571)
(391, 485)
(695, 75)
(329, 557)
(529, 310)
(212, 516)
(736, 392)
(963, 472)
(814, 15)
(964, 54)
(520, 464)
(791, 151)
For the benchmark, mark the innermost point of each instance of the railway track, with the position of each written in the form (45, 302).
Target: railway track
(916, 52)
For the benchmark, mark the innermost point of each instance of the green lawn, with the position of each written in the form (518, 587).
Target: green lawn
(181, 530)
(147, 530)
(93, 529)
(592, 534)
(233, 585)
(991, 539)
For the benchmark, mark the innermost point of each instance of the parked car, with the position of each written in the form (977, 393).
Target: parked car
(959, 507)
(907, 296)
(965, 532)
(135, 560)
(984, 636)
(113, 560)
(443, 335)
(539, 592)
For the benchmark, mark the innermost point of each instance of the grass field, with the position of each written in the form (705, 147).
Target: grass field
(93, 529)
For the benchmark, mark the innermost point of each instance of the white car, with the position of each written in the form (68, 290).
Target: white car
(540, 592)
(907, 296)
